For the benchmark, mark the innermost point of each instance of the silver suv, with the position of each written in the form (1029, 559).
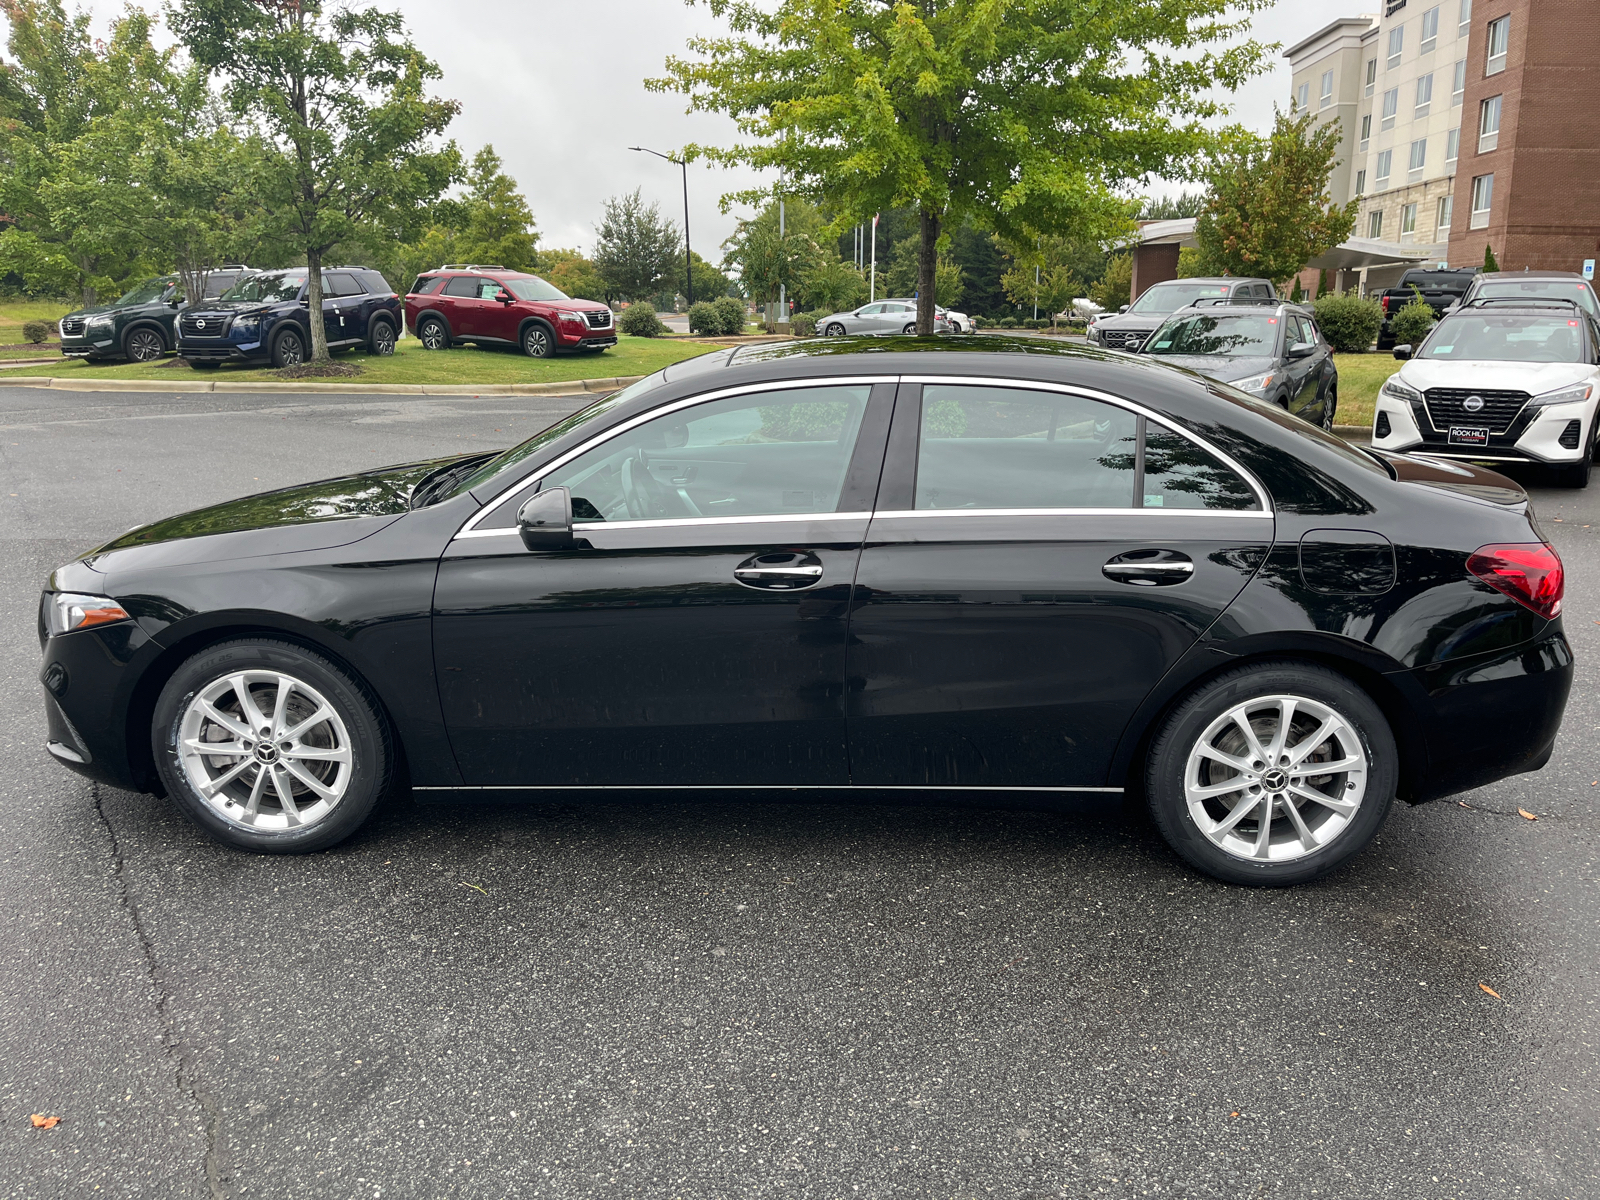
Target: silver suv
(1133, 323)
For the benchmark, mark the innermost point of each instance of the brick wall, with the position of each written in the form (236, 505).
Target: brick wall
(1546, 208)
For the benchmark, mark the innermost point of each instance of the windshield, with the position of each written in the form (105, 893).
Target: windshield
(534, 288)
(147, 292)
(277, 286)
(1170, 297)
(1506, 337)
(1551, 289)
(1254, 336)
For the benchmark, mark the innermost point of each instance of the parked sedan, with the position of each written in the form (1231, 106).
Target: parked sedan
(881, 317)
(1275, 353)
(1001, 568)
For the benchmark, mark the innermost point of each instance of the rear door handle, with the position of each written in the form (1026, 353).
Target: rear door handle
(1150, 568)
(780, 570)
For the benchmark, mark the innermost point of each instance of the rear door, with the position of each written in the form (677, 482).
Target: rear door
(1038, 560)
(464, 310)
(347, 322)
(698, 636)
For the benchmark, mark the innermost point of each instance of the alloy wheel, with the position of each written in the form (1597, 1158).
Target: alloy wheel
(536, 342)
(432, 335)
(1276, 778)
(835, 330)
(291, 352)
(383, 339)
(145, 345)
(265, 751)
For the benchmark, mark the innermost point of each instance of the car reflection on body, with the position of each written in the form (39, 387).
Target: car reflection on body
(933, 569)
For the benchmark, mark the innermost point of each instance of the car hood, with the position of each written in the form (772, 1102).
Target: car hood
(1533, 378)
(1217, 366)
(92, 311)
(574, 305)
(320, 515)
(1130, 320)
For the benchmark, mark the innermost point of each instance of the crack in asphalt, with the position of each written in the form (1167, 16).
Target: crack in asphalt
(185, 1068)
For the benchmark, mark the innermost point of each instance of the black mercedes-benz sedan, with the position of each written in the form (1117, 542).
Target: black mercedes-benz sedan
(922, 569)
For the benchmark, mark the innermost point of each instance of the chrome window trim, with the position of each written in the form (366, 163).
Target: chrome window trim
(1120, 402)
(470, 527)
(679, 522)
(898, 514)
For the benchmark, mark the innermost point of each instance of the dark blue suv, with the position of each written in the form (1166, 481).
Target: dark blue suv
(266, 319)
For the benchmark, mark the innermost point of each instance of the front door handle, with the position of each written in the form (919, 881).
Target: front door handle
(780, 570)
(1150, 568)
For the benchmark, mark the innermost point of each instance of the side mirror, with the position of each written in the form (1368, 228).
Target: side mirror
(544, 521)
(1402, 352)
(1124, 309)
(505, 297)
(1302, 350)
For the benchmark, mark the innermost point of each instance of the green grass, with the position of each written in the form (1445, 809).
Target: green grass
(1360, 377)
(13, 314)
(412, 364)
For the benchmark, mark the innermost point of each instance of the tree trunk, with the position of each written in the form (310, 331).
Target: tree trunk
(927, 262)
(319, 327)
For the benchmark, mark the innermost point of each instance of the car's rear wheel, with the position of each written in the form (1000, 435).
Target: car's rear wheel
(269, 747)
(537, 342)
(288, 349)
(432, 334)
(143, 345)
(911, 327)
(382, 339)
(834, 330)
(1272, 774)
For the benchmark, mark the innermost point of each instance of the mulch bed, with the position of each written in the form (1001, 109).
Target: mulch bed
(40, 346)
(329, 370)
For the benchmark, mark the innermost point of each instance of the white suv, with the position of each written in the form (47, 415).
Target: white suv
(1499, 380)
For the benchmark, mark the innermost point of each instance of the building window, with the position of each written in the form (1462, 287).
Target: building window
(1446, 206)
(1375, 224)
(1419, 154)
(1489, 124)
(1424, 95)
(1397, 41)
(1499, 42)
(1482, 199)
(1366, 131)
(1372, 74)
(1464, 19)
(1408, 222)
(1385, 158)
(1430, 30)
(1361, 183)
(1327, 88)
(1452, 145)
(1458, 85)
(1391, 105)
(1302, 97)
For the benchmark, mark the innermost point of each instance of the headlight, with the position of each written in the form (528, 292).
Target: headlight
(1568, 395)
(248, 326)
(1396, 390)
(105, 322)
(66, 611)
(1256, 383)
(571, 316)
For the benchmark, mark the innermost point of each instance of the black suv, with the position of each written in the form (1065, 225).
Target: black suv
(139, 325)
(266, 318)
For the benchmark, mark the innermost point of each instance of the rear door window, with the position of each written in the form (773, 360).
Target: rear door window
(342, 283)
(462, 285)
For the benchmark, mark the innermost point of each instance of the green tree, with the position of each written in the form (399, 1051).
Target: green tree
(1116, 287)
(574, 274)
(1172, 208)
(1189, 265)
(349, 132)
(498, 225)
(1026, 115)
(767, 260)
(832, 285)
(1269, 211)
(1489, 263)
(1043, 276)
(637, 248)
(904, 275)
(709, 283)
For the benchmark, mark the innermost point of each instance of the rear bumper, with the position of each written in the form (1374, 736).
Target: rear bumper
(1488, 717)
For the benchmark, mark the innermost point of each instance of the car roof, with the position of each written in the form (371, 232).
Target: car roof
(1498, 276)
(1212, 279)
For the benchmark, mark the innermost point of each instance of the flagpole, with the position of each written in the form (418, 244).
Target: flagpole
(872, 291)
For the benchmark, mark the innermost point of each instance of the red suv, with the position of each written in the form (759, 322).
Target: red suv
(491, 306)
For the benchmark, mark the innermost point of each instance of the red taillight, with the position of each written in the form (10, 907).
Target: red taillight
(1529, 572)
(1385, 303)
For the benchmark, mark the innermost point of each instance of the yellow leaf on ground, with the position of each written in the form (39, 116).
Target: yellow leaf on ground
(1527, 814)
(40, 1121)
(1490, 990)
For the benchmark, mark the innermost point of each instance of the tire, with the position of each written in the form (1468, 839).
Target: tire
(834, 330)
(143, 345)
(911, 328)
(249, 810)
(288, 349)
(433, 335)
(1330, 409)
(381, 339)
(1230, 848)
(537, 341)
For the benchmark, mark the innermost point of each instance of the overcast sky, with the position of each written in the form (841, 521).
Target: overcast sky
(557, 88)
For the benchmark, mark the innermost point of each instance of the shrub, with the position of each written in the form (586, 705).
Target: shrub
(1411, 324)
(36, 331)
(803, 324)
(1007, 322)
(1489, 261)
(732, 314)
(1348, 322)
(704, 318)
(640, 320)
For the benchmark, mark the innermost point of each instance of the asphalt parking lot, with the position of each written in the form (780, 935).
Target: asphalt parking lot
(741, 997)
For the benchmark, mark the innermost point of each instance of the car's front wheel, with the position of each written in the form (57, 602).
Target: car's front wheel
(143, 345)
(537, 342)
(1272, 774)
(269, 747)
(289, 349)
(1330, 406)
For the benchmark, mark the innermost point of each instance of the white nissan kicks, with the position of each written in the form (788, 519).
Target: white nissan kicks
(1499, 380)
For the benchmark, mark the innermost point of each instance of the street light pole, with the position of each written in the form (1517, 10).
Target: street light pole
(688, 258)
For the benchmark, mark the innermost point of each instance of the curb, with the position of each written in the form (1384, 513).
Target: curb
(568, 388)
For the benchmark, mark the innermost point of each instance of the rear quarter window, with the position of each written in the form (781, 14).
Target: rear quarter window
(426, 285)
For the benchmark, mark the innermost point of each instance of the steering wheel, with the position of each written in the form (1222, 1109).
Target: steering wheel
(643, 495)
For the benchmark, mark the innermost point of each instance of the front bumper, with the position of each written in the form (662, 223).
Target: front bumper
(87, 347)
(220, 352)
(90, 680)
(1535, 436)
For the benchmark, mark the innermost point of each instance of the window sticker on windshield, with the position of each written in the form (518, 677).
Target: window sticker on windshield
(1444, 349)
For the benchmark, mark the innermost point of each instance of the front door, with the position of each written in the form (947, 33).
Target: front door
(698, 637)
(1037, 562)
